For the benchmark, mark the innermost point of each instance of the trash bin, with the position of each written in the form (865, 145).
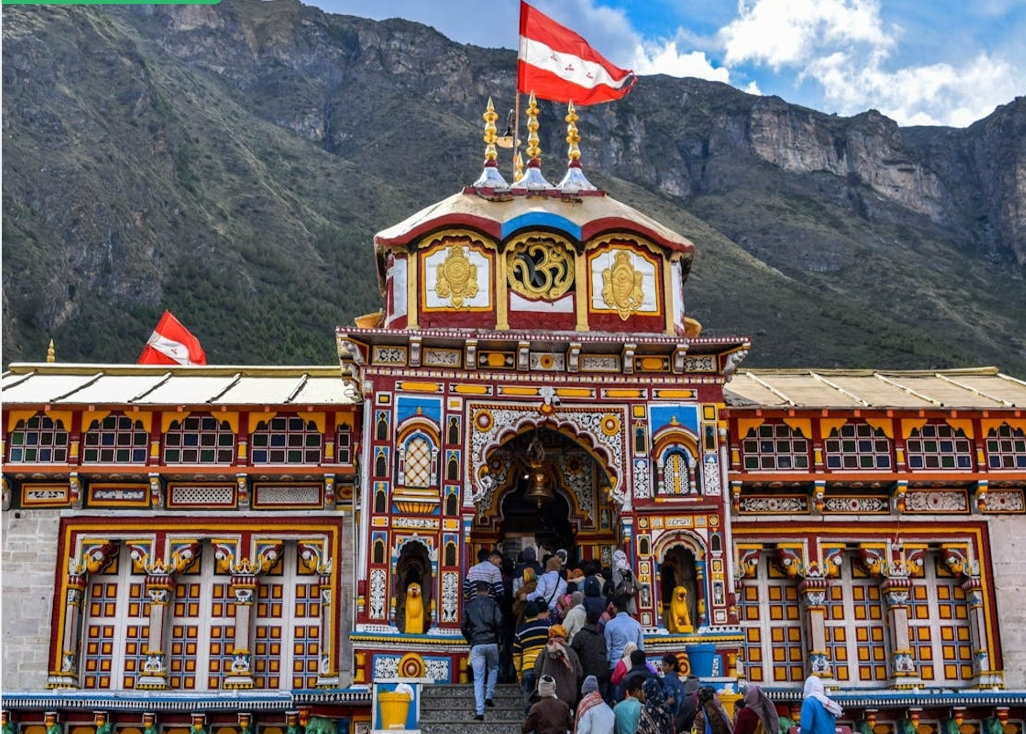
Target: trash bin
(395, 709)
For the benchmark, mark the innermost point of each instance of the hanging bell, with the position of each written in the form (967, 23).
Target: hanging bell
(538, 489)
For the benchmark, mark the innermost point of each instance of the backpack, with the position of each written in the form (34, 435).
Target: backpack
(592, 587)
(627, 586)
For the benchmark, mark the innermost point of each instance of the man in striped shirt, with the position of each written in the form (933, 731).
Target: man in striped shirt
(487, 569)
(528, 642)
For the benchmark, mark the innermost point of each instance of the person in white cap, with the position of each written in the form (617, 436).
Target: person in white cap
(549, 715)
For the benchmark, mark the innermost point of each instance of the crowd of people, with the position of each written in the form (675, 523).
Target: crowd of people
(570, 639)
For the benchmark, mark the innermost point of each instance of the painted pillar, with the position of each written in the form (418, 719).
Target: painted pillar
(153, 676)
(813, 588)
(243, 588)
(67, 674)
(903, 673)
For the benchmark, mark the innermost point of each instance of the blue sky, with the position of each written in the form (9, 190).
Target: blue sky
(920, 62)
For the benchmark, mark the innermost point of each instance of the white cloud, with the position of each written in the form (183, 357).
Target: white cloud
(844, 46)
(788, 32)
(666, 59)
(937, 94)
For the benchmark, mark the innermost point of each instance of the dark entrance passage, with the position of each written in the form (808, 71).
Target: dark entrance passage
(547, 527)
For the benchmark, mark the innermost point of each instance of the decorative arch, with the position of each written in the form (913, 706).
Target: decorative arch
(677, 461)
(417, 447)
(413, 567)
(680, 559)
(600, 432)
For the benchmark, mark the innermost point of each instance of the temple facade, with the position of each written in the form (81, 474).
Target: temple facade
(253, 547)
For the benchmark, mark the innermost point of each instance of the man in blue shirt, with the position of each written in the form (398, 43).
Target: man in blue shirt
(620, 630)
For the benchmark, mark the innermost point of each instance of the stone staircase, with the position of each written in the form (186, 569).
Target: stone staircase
(449, 709)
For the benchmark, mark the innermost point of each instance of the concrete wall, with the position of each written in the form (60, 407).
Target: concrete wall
(1008, 549)
(28, 566)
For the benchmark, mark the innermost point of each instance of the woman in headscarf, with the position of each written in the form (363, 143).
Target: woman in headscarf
(560, 661)
(759, 716)
(655, 716)
(593, 714)
(621, 668)
(622, 572)
(711, 717)
(819, 712)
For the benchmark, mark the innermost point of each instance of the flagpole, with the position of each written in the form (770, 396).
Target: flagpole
(516, 129)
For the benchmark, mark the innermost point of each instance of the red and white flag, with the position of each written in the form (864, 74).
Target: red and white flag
(558, 65)
(172, 343)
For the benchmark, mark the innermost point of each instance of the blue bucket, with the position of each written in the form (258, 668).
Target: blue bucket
(703, 659)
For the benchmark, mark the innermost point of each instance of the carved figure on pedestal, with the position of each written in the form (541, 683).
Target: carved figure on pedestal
(679, 618)
(414, 609)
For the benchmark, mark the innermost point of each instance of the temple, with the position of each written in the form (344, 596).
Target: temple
(254, 548)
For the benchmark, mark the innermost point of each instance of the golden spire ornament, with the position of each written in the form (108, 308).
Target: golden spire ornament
(490, 177)
(574, 180)
(518, 166)
(51, 353)
(533, 180)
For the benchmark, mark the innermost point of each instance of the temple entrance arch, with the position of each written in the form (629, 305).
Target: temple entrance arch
(548, 491)
(600, 431)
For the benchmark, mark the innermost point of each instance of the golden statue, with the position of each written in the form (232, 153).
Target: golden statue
(679, 619)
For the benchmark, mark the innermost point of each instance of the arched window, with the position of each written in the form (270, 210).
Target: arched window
(939, 446)
(381, 432)
(417, 459)
(286, 439)
(38, 440)
(454, 431)
(116, 439)
(677, 471)
(1006, 448)
(858, 446)
(775, 447)
(344, 443)
(199, 439)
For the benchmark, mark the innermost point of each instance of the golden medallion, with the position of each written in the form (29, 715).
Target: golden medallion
(457, 277)
(621, 286)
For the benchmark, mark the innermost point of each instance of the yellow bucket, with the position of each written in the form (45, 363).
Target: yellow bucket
(395, 708)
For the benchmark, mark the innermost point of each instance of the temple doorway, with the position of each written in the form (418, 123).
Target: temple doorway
(526, 523)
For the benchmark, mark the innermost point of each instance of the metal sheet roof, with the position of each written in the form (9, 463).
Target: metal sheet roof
(82, 384)
(977, 388)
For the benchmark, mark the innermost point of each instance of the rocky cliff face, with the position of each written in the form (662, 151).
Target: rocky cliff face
(251, 149)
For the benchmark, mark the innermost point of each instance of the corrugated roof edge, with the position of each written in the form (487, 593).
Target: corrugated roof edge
(67, 368)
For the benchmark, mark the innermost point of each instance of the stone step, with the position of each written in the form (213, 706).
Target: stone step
(474, 727)
(447, 709)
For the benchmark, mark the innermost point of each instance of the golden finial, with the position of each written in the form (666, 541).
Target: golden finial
(51, 354)
(533, 180)
(490, 177)
(518, 166)
(490, 116)
(533, 151)
(572, 136)
(574, 181)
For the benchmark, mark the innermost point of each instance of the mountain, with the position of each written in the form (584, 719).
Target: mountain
(232, 163)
